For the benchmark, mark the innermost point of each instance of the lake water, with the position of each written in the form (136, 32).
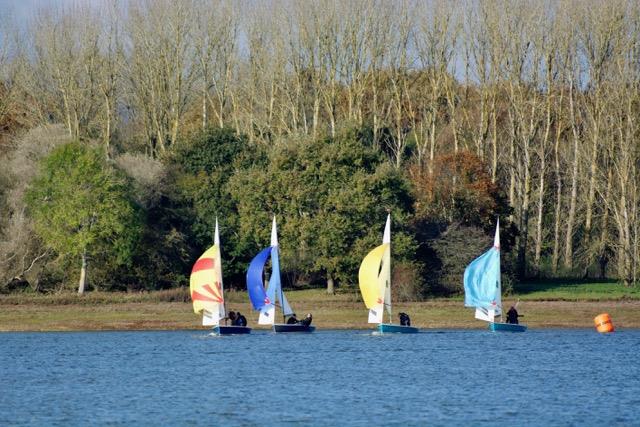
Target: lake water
(328, 378)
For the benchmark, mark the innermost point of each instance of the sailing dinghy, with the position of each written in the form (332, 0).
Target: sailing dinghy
(207, 290)
(375, 284)
(266, 301)
(482, 288)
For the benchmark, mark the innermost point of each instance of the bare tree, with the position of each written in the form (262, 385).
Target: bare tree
(215, 43)
(21, 252)
(159, 68)
(67, 57)
(601, 30)
(436, 36)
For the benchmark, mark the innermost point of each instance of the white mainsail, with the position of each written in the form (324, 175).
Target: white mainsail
(386, 265)
(274, 290)
(375, 277)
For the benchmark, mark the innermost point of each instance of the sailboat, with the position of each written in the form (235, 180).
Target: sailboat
(482, 288)
(207, 291)
(266, 300)
(375, 284)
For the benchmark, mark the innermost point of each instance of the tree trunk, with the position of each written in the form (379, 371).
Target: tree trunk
(568, 249)
(204, 109)
(512, 172)
(524, 221)
(558, 211)
(538, 249)
(67, 114)
(494, 157)
(593, 168)
(330, 285)
(375, 113)
(83, 273)
(316, 115)
(541, 187)
(107, 131)
(603, 256)
(625, 243)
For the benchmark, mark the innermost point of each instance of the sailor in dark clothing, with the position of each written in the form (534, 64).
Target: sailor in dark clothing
(404, 319)
(237, 319)
(307, 320)
(231, 316)
(512, 315)
(240, 320)
(292, 320)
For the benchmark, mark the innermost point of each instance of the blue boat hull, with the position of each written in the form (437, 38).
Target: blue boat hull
(231, 330)
(282, 327)
(391, 328)
(506, 327)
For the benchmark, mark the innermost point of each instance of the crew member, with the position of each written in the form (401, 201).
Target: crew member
(404, 319)
(512, 315)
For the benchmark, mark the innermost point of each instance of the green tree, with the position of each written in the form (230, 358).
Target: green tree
(81, 208)
(204, 164)
(331, 197)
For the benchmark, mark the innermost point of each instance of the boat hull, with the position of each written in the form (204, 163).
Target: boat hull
(391, 328)
(282, 328)
(506, 327)
(231, 330)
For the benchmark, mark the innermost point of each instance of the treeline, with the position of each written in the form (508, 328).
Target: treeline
(470, 109)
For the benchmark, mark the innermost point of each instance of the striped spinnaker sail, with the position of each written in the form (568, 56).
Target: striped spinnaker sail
(206, 286)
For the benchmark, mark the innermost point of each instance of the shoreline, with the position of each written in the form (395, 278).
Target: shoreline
(430, 315)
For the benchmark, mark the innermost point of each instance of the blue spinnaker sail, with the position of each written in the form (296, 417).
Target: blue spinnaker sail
(482, 281)
(257, 295)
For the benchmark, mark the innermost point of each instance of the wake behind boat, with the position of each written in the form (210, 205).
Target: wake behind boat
(482, 288)
(266, 301)
(205, 285)
(374, 278)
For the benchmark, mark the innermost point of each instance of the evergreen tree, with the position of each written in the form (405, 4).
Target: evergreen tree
(331, 197)
(205, 164)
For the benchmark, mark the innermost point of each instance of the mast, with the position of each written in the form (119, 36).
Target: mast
(496, 246)
(274, 245)
(216, 242)
(386, 238)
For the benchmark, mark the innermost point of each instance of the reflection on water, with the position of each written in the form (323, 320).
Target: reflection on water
(346, 378)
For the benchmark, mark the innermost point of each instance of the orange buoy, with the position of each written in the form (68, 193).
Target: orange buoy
(603, 323)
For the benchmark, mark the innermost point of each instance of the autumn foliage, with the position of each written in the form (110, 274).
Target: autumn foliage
(459, 189)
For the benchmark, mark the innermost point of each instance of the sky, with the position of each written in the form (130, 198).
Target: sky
(21, 11)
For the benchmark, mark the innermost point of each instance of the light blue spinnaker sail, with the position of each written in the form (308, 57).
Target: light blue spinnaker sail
(482, 279)
(274, 290)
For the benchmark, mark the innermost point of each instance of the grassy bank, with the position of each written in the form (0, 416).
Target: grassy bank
(543, 305)
(563, 290)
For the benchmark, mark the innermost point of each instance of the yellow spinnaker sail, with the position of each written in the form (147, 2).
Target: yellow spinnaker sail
(372, 280)
(206, 282)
